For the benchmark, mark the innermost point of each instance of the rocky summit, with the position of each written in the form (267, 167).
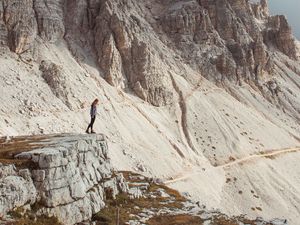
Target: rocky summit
(202, 95)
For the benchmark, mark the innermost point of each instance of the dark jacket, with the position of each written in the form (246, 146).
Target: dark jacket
(93, 111)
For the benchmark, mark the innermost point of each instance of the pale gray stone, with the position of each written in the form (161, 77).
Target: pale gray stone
(69, 189)
(6, 170)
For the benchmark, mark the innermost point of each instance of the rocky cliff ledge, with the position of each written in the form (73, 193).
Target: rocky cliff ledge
(67, 176)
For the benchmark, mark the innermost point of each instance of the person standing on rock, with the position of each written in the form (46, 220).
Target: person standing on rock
(93, 113)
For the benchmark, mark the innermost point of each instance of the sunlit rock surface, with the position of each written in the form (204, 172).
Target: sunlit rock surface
(67, 176)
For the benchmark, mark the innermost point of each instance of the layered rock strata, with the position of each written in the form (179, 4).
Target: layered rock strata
(68, 178)
(126, 38)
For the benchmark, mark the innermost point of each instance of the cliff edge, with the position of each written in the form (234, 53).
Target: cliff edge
(67, 176)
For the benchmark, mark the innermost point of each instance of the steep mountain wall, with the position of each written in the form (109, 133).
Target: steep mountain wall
(127, 42)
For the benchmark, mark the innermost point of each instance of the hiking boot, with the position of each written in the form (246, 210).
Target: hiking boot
(87, 131)
(93, 132)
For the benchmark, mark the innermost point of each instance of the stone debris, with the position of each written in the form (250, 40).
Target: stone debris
(185, 207)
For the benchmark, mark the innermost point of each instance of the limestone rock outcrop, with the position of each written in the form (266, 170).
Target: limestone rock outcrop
(23, 21)
(68, 179)
(50, 19)
(184, 20)
(126, 41)
(126, 55)
(16, 188)
(279, 34)
(18, 25)
(260, 9)
(53, 76)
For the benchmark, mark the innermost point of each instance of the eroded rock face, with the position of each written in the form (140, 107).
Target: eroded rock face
(16, 188)
(54, 76)
(126, 37)
(126, 54)
(187, 20)
(18, 22)
(50, 19)
(260, 10)
(69, 180)
(279, 34)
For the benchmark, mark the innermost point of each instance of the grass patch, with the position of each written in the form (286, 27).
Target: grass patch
(129, 209)
(9, 149)
(222, 220)
(133, 206)
(128, 206)
(175, 220)
(23, 217)
(40, 220)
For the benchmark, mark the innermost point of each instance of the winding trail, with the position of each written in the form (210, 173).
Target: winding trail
(269, 153)
(263, 155)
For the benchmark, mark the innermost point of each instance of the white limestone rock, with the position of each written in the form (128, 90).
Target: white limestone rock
(6, 170)
(71, 176)
(16, 191)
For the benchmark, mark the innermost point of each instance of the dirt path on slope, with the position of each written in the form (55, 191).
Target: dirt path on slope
(262, 155)
(238, 161)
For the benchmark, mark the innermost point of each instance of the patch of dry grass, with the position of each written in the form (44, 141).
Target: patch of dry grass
(224, 220)
(128, 206)
(17, 145)
(175, 220)
(22, 217)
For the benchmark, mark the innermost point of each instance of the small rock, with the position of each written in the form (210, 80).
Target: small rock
(8, 83)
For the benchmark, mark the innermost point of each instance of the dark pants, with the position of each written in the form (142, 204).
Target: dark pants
(91, 123)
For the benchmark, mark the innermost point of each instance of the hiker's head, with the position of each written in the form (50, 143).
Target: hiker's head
(95, 102)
